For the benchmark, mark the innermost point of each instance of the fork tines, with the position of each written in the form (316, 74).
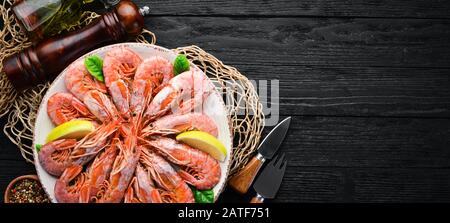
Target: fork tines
(279, 162)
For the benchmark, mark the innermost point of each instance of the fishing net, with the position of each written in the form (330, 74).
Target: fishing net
(20, 108)
(241, 100)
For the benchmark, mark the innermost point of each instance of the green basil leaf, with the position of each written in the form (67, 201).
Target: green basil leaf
(38, 147)
(94, 64)
(203, 196)
(181, 64)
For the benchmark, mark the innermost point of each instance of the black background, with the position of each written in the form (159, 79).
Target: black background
(367, 84)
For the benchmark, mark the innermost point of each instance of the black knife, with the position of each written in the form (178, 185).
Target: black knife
(269, 181)
(268, 147)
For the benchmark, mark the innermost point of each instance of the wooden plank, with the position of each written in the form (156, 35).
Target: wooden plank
(368, 142)
(311, 185)
(355, 142)
(11, 169)
(314, 184)
(299, 185)
(355, 91)
(405, 185)
(351, 8)
(391, 145)
(307, 41)
(347, 159)
(365, 185)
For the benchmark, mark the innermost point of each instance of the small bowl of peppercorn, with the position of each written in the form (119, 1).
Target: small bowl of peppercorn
(25, 189)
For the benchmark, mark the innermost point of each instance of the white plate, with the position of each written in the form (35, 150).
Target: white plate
(215, 108)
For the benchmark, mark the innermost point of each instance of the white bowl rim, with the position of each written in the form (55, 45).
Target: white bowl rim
(60, 75)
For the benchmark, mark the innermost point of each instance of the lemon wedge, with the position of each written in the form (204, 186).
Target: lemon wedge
(75, 129)
(205, 142)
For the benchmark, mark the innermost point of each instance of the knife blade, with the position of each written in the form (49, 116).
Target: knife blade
(268, 182)
(270, 144)
(268, 147)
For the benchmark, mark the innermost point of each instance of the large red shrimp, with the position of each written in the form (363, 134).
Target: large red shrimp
(119, 67)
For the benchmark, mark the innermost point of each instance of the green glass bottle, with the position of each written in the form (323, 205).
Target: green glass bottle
(45, 18)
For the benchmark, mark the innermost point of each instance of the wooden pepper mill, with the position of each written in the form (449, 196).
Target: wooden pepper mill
(47, 59)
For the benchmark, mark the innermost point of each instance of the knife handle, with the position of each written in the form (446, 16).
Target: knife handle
(244, 178)
(257, 199)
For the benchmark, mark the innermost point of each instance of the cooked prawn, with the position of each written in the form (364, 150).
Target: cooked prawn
(122, 172)
(119, 67)
(69, 185)
(174, 124)
(93, 143)
(100, 106)
(151, 75)
(54, 156)
(197, 167)
(120, 63)
(139, 100)
(142, 188)
(100, 169)
(79, 81)
(183, 93)
(63, 107)
(173, 188)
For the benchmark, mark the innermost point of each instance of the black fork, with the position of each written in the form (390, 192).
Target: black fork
(269, 180)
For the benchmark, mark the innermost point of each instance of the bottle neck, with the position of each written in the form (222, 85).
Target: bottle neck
(100, 6)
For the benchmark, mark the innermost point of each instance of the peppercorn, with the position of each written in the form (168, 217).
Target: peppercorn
(28, 191)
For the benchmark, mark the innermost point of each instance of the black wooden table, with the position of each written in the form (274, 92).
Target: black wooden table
(367, 84)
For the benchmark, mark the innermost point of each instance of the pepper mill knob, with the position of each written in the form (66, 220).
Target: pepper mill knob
(130, 17)
(144, 11)
(47, 59)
